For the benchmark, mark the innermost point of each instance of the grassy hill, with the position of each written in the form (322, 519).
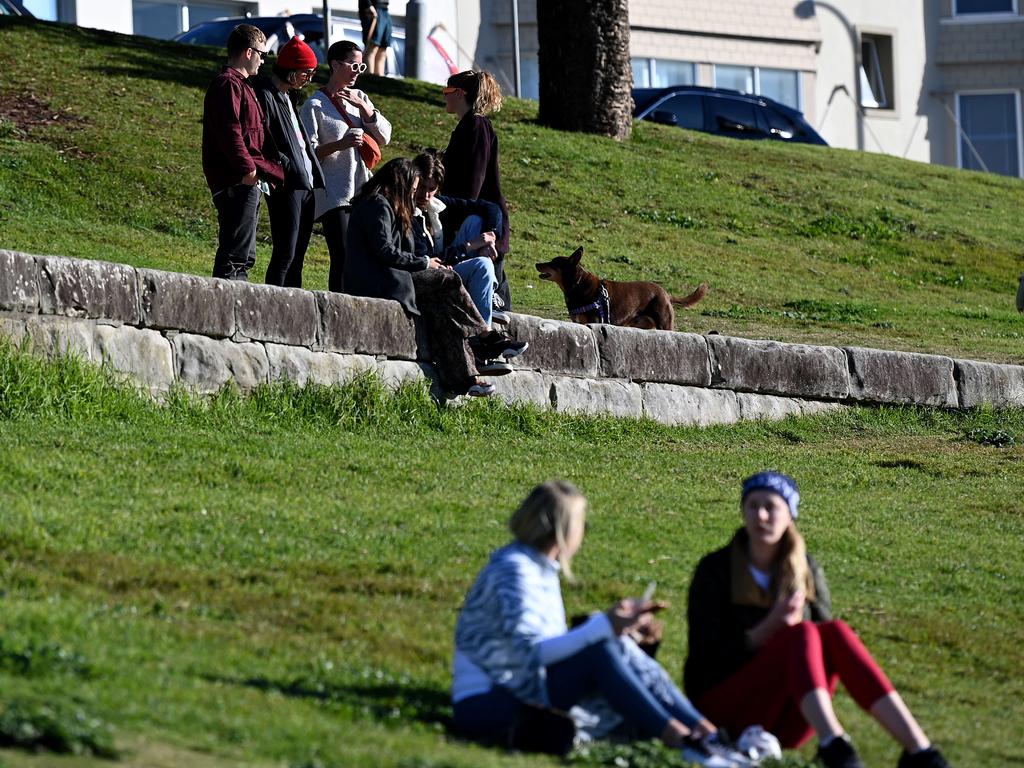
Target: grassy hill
(273, 580)
(100, 159)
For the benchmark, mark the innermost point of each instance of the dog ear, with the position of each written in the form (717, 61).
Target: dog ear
(576, 255)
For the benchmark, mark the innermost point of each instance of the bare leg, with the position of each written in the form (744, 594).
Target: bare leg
(381, 61)
(893, 715)
(370, 57)
(816, 707)
(674, 734)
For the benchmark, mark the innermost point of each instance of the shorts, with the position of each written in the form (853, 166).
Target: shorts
(381, 33)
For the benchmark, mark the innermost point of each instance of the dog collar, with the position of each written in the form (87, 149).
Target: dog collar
(603, 307)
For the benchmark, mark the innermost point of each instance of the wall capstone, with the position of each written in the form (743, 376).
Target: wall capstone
(881, 376)
(19, 286)
(1000, 386)
(93, 289)
(769, 367)
(270, 313)
(556, 346)
(362, 325)
(187, 303)
(657, 356)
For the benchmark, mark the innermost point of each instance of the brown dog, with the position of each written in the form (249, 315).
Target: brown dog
(590, 299)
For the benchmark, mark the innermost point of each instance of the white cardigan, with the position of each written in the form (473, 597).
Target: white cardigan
(344, 171)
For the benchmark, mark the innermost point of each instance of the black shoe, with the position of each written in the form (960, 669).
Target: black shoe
(839, 754)
(492, 367)
(497, 344)
(926, 758)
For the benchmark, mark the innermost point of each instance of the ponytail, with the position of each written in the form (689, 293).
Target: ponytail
(793, 573)
(483, 94)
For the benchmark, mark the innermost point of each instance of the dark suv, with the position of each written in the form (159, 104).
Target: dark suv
(723, 112)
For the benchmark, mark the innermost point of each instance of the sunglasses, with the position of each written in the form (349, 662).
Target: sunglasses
(355, 66)
(450, 90)
(263, 54)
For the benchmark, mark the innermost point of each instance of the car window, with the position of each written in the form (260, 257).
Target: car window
(733, 116)
(688, 109)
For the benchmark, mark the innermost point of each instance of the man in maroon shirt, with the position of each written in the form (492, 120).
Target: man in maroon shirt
(234, 157)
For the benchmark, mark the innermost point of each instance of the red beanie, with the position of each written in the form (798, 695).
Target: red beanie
(295, 54)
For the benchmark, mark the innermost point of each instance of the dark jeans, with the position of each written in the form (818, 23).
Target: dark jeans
(597, 668)
(238, 208)
(291, 223)
(335, 224)
(451, 318)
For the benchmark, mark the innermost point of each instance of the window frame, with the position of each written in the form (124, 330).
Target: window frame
(799, 107)
(651, 68)
(1020, 128)
(958, 14)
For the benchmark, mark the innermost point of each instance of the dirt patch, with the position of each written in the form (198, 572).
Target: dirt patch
(24, 114)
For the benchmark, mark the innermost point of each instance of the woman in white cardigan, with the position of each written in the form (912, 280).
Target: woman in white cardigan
(336, 138)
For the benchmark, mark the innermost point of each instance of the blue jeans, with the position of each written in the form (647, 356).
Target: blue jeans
(600, 667)
(477, 273)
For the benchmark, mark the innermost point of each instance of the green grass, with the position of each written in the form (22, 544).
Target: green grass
(274, 580)
(798, 243)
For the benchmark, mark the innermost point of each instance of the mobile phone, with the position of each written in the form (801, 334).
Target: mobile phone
(649, 592)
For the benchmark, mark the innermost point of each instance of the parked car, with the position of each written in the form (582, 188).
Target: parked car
(280, 29)
(14, 8)
(723, 112)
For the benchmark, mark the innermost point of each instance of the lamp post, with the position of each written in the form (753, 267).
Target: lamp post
(516, 79)
(327, 26)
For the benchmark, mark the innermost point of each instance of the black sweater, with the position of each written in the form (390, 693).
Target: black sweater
(724, 603)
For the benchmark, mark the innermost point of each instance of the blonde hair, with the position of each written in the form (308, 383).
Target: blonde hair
(546, 516)
(793, 572)
(483, 94)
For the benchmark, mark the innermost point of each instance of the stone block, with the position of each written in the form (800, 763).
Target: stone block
(395, 373)
(881, 376)
(605, 397)
(19, 283)
(1000, 386)
(767, 407)
(365, 326)
(689, 406)
(187, 303)
(271, 313)
(523, 387)
(59, 336)
(94, 289)
(206, 364)
(660, 356)
(301, 365)
(12, 329)
(140, 352)
(556, 346)
(769, 367)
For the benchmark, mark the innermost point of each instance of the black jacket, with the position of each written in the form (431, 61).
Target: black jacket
(455, 212)
(379, 256)
(277, 123)
(725, 602)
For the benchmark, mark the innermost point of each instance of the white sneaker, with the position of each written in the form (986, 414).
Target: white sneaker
(481, 389)
(757, 744)
(711, 752)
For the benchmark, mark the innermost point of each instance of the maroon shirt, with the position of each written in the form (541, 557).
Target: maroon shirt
(233, 137)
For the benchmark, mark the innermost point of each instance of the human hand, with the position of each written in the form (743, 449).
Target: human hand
(626, 615)
(436, 264)
(488, 251)
(250, 178)
(787, 611)
(487, 238)
(353, 98)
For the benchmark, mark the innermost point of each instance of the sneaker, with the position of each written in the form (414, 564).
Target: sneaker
(757, 744)
(839, 754)
(712, 752)
(493, 344)
(481, 389)
(926, 758)
(499, 317)
(497, 302)
(493, 367)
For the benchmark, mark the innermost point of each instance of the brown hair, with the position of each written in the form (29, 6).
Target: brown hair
(483, 94)
(793, 572)
(431, 166)
(394, 182)
(545, 517)
(243, 37)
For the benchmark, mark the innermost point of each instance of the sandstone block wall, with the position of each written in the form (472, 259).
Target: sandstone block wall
(203, 333)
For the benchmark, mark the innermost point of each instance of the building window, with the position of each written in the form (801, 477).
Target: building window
(661, 73)
(782, 85)
(968, 7)
(876, 71)
(42, 9)
(163, 19)
(990, 137)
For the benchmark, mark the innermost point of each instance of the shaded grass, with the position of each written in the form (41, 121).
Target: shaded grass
(274, 579)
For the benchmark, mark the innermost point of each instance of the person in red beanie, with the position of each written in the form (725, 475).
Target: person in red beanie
(291, 204)
(235, 149)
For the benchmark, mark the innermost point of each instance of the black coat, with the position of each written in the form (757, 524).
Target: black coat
(725, 602)
(277, 122)
(379, 257)
(471, 168)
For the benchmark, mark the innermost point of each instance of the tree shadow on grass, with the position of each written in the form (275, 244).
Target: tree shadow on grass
(385, 701)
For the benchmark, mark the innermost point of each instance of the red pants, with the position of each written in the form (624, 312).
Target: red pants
(767, 690)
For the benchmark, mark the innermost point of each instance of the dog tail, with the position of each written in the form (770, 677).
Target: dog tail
(693, 298)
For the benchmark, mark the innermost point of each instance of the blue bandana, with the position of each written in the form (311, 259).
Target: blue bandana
(784, 485)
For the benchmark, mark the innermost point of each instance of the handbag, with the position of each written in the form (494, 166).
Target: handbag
(369, 150)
